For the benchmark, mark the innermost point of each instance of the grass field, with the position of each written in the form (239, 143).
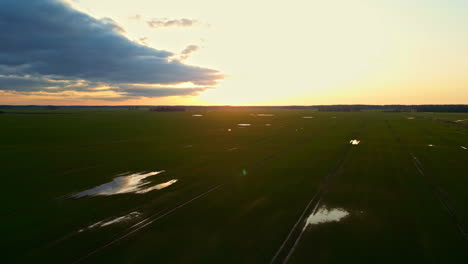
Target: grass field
(231, 193)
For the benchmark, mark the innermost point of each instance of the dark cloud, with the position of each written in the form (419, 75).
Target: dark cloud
(47, 42)
(30, 85)
(159, 92)
(36, 84)
(166, 22)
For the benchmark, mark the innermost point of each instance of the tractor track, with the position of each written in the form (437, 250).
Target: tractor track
(290, 243)
(294, 236)
(447, 204)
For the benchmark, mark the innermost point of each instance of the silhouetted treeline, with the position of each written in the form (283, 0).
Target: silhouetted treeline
(167, 109)
(341, 108)
(443, 108)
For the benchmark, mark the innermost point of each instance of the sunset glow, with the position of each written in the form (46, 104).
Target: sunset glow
(264, 53)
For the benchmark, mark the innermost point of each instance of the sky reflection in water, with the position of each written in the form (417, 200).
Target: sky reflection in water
(131, 183)
(114, 220)
(325, 215)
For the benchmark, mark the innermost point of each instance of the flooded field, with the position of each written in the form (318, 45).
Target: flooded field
(234, 186)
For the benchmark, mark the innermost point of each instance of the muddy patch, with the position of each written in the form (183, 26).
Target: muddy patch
(126, 183)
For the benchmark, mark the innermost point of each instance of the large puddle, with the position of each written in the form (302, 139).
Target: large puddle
(126, 183)
(111, 221)
(325, 215)
(354, 141)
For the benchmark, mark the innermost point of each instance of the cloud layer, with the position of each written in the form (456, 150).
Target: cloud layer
(166, 22)
(48, 46)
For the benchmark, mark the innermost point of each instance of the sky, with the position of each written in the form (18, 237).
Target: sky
(214, 52)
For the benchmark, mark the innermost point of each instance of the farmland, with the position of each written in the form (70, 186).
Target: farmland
(233, 186)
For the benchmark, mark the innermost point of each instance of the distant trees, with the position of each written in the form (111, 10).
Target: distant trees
(51, 107)
(167, 109)
(442, 108)
(340, 108)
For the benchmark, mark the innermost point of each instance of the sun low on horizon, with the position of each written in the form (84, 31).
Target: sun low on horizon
(207, 52)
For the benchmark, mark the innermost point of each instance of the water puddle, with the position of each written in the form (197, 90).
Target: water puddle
(114, 220)
(325, 215)
(308, 117)
(126, 183)
(244, 125)
(410, 118)
(463, 147)
(158, 186)
(461, 120)
(354, 141)
(197, 115)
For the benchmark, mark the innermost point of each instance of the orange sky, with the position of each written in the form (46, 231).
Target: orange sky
(298, 52)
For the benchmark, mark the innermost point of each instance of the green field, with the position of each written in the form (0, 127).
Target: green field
(243, 194)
